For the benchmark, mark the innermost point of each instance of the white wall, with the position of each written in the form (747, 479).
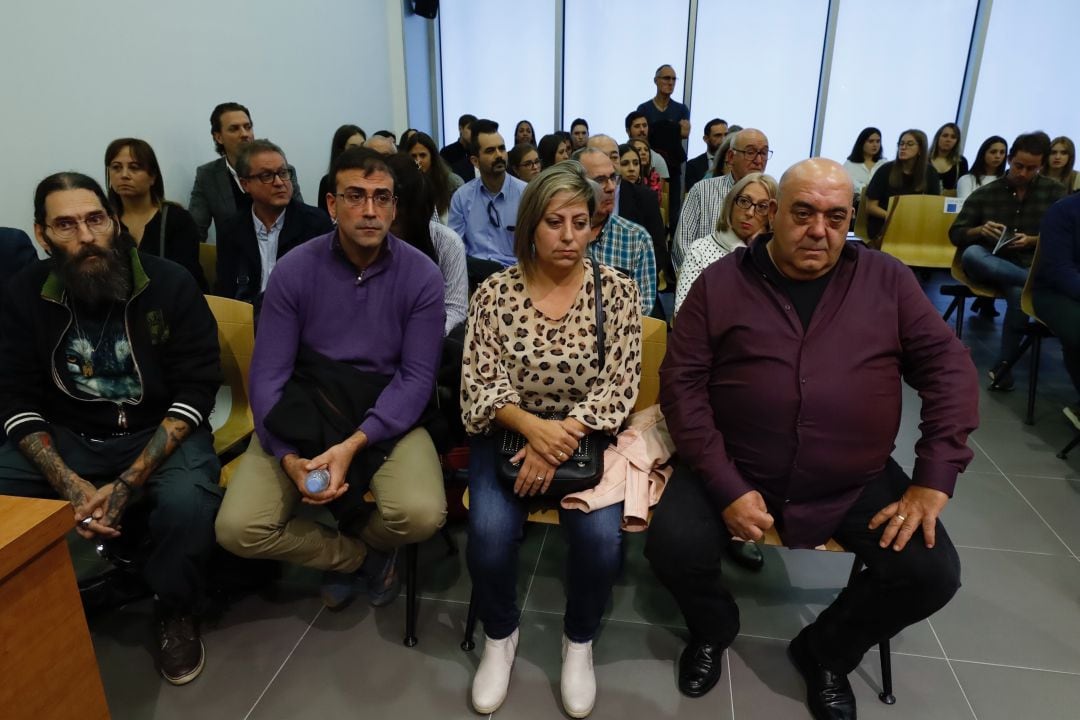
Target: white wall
(75, 75)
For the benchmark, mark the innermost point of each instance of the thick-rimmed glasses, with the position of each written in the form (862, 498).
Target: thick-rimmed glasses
(268, 177)
(744, 202)
(531, 164)
(752, 153)
(65, 228)
(354, 197)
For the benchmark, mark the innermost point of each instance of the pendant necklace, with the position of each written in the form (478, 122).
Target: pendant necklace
(88, 362)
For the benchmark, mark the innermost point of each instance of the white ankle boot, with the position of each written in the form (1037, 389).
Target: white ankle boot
(578, 684)
(493, 676)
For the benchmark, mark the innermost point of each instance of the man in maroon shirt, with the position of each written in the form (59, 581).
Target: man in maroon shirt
(782, 391)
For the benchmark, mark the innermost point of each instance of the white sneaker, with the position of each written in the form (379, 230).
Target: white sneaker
(578, 684)
(493, 676)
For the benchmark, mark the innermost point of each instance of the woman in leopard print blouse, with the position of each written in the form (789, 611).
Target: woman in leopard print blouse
(530, 348)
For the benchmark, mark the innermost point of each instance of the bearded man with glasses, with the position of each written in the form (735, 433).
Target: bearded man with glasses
(344, 366)
(251, 243)
(110, 367)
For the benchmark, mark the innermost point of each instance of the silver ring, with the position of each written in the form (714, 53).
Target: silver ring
(902, 518)
(540, 478)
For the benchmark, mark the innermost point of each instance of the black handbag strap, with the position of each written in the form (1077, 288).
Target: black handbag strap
(601, 346)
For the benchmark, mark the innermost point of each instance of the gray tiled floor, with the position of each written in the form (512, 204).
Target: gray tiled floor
(1007, 647)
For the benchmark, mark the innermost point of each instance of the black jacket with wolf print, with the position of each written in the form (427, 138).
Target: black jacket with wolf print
(174, 347)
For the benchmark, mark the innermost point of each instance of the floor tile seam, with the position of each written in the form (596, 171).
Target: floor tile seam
(284, 662)
(1017, 667)
(956, 677)
(730, 682)
(532, 576)
(1024, 498)
(1011, 550)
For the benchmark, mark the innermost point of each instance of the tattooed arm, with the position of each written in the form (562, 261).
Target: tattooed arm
(109, 502)
(39, 449)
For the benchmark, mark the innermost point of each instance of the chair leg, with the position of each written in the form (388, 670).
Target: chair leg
(451, 545)
(1072, 443)
(1033, 378)
(411, 553)
(886, 695)
(467, 643)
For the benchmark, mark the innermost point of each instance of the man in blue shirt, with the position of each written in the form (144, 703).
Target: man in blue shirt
(484, 210)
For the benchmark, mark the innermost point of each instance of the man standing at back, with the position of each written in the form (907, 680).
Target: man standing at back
(749, 152)
(483, 211)
(669, 127)
(217, 194)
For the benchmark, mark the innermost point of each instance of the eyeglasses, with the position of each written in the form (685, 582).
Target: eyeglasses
(535, 163)
(267, 177)
(355, 197)
(493, 214)
(752, 153)
(744, 202)
(613, 178)
(65, 228)
(907, 144)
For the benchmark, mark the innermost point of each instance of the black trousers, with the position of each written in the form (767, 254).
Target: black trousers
(687, 537)
(180, 501)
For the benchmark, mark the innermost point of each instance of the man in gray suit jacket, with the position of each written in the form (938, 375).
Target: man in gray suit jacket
(216, 194)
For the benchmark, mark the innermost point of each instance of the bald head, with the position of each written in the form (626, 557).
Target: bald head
(381, 145)
(749, 152)
(810, 220)
(605, 144)
(820, 173)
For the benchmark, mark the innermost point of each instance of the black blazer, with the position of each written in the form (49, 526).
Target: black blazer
(696, 169)
(638, 204)
(239, 265)
(213, 199)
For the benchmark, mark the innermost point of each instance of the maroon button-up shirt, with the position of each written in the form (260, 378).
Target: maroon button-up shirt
(809, 418)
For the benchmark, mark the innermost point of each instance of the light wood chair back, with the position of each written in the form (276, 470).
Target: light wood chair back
(916, 231)
(236, 336)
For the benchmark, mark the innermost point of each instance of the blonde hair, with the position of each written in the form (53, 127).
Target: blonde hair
(723, 223)
(566, 176)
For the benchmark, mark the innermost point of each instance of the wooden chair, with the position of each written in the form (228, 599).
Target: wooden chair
(664, 198)
(962, 292)
(916, 232)
(231, 420)
(208, 261)
(860, 219)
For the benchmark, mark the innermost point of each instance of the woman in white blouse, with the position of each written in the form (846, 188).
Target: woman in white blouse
(743, 216)
(989, 166)
(865, 158)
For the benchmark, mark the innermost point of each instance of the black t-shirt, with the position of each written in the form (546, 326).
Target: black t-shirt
(94, 359)
(804, 294)
(879, 189)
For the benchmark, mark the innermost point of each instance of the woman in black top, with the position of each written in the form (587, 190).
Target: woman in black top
(908, 174)
(137, 194)
(553, 149)
(945, 156)
(346, 136)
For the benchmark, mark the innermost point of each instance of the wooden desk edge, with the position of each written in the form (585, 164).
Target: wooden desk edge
(27, 527)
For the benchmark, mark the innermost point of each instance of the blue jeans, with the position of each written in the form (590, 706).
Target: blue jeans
(1007, 278)
(496, 526)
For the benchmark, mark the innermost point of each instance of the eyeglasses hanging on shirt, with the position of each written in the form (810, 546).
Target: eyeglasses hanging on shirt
(493, 216)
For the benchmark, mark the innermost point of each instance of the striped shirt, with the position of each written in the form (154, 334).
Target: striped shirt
(627, 246)
(451, 252)
(700, 211)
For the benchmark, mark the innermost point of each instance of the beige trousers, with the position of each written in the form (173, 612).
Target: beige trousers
(256, 519)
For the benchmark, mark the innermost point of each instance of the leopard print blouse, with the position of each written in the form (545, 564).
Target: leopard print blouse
(515, 355)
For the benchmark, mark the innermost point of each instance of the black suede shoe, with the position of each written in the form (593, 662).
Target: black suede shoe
(700, 666)
(828, 694)
(746, 554)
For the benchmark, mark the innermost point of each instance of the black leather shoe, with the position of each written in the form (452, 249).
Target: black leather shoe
(746, 554)
(700, 666)
(828, 694)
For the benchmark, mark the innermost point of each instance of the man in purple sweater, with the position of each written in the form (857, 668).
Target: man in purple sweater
(782, 391)
(360, 297)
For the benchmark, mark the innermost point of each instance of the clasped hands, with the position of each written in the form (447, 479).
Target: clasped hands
(747, 518)
(98, 510)
(336, 460)
(550, 443)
